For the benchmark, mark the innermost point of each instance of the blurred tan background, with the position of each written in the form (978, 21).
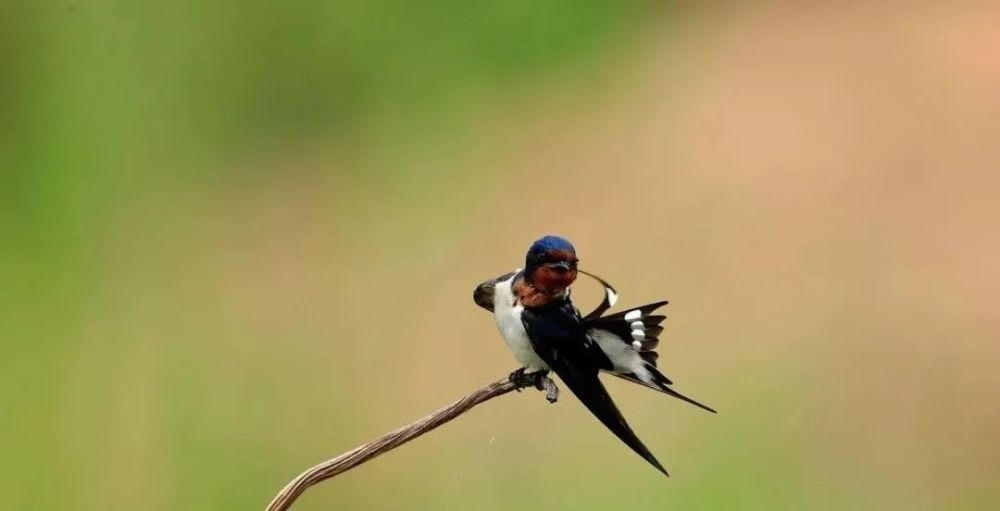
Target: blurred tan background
(240, 238)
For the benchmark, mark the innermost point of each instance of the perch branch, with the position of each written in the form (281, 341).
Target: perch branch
(390, 441)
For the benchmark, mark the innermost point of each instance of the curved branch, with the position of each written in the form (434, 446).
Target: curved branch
(370, 450)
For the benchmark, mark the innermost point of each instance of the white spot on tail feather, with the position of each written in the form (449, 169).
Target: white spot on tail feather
(633, 315)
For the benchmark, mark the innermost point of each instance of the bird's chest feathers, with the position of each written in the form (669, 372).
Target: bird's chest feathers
(507, 311)
(530, 296)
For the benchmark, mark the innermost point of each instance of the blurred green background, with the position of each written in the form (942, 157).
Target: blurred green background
(237, 238)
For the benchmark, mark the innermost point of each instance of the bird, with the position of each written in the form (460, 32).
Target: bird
(546, 332)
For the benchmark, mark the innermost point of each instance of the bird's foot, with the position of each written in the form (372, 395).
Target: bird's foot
(538, 379)
(520, 380)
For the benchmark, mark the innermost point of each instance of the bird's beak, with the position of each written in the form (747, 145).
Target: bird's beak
(483, 295)
(562, 265)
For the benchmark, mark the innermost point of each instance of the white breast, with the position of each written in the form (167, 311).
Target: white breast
(507, 312)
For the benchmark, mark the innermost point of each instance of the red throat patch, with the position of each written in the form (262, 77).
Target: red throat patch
(551, 281)
(547, 285)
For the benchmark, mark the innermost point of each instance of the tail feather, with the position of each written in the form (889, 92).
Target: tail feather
(650, 358)
(671, 392)
(663, 385)
(635, 327)
(640, 329)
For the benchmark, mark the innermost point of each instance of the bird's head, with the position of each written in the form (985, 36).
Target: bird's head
(551, 264)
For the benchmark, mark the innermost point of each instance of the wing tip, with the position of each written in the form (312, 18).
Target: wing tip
(656, 464)
(648, 456)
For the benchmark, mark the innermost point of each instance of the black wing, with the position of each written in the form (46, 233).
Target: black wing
(560, 338)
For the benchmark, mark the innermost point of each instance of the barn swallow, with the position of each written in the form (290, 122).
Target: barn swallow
(545, 331)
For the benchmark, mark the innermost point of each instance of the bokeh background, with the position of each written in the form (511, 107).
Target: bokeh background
(241, 237)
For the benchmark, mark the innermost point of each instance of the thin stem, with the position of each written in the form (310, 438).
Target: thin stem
(390, 441)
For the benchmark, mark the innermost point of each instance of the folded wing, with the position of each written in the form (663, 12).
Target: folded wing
(559, 337)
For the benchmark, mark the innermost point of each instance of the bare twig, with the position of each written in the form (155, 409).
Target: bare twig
(363, 453)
